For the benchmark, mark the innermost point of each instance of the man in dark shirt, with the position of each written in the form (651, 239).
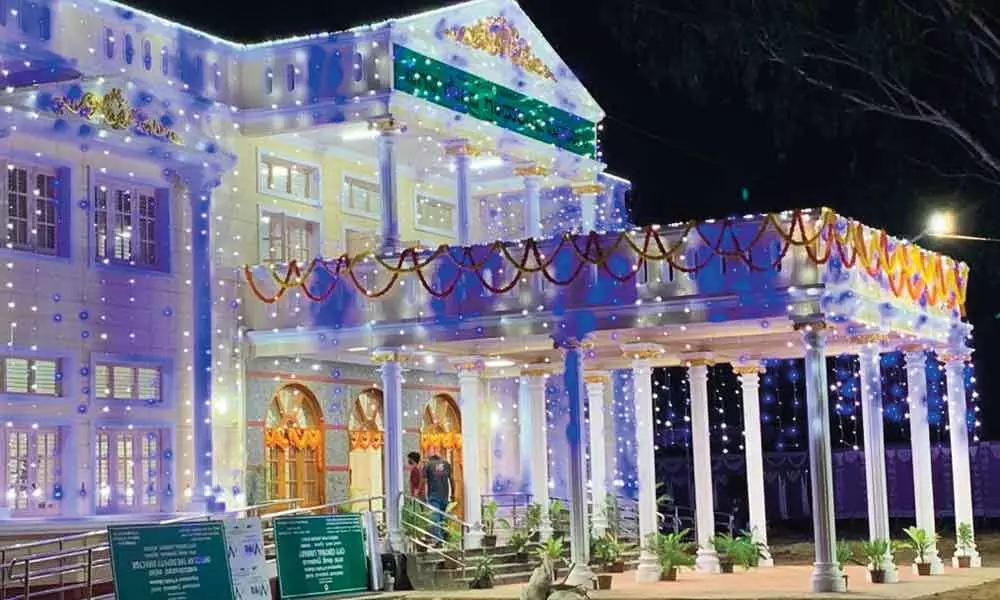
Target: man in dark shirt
(440, 489)
(416, 474)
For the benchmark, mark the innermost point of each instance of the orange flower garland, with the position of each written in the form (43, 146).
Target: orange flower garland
(367, 439)
(907, 269)
(295, 437)
(441, 441)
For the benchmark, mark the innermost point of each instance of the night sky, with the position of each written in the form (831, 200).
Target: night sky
(689, 159)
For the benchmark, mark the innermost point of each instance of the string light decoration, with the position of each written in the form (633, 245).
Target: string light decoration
(624, 477)
(770, 407)
(972, 397)
(844, 372)
(937, 408)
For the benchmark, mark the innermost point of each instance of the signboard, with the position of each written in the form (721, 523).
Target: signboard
(183, 561)
(320, 555)
(247, 563)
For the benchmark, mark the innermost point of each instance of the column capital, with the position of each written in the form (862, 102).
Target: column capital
(698, 360)
(460, 148)
(467, 365)
(642, 351)
(386, 125)
(914, 348)
(869, 339)
(587, 187)
(537, 370)
(956, 356)
(384, 355)
(596, 377)
(749, 369)
(809, 325)
(531, 171)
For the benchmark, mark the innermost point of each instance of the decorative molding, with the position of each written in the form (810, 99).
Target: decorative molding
(460, 148)
(596, 378)
(386, 124)
(748, 369)
(499, 37)
(114, 111)
(532, 171)
(582, 189)
(912, 347)
(390, 355)
(701, 361)
(467, 364)
(949, 356)
(642, 351)
(869, 338)
(816, 324)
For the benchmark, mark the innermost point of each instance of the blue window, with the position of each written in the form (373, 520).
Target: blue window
(147, 54)
(269, 80)
(109, 43)
(36, 208)
(132, 225)
(129, 49)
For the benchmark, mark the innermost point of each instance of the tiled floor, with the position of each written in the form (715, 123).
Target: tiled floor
(761, 584)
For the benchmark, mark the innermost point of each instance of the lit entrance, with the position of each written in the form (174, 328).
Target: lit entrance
(367, 440)
(294, 442)
(441, 433)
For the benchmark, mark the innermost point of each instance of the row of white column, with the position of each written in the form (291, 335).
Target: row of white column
(593, 387)
(388, 130)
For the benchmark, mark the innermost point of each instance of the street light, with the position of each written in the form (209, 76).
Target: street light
(942, 224)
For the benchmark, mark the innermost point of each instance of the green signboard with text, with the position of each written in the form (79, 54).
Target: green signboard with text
(320, 555)
(183, 561)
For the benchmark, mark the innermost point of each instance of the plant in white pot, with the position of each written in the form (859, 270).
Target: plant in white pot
(964, 545)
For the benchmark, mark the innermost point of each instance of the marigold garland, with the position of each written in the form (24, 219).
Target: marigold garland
(295, 437)
(441, 441)
(906, 268)
(366, 439)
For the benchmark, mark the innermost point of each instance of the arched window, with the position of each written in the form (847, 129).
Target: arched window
(441, 434)
(294, 442)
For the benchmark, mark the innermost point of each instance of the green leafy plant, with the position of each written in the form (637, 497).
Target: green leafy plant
(550, 551)
(482, 577)
(416, 519)
(964, 542)
(519, 542)
(723, 544)
(490, 520)
(873, 552)
(745, 551)
(533, 517)
(607, 550)
(920, 541)
(612, 513)
(671, 550)
(844, 554)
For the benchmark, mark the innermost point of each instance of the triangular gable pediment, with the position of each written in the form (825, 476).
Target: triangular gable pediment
(496, 40)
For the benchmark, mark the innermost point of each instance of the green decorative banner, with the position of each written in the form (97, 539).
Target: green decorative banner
(320, 555)
(462, 92)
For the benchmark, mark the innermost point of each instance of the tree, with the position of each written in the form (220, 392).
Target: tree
(836, 64)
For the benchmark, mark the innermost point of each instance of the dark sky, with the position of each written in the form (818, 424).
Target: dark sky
(692, 160)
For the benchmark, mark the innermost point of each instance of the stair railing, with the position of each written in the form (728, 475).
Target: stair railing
(427, 529)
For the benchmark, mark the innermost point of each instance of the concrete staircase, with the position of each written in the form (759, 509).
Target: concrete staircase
(430, 571)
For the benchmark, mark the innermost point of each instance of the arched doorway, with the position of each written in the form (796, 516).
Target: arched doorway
(294, 441)
(441, 433)
(367, 440)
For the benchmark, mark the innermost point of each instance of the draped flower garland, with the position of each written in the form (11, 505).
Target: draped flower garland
(907, 270)
(441, 441)
(294, 437)
(367, 439)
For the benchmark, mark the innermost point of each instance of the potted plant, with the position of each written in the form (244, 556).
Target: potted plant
(416, 522)
(920, 541)
(844, 554)
(533, 521)
(482, 577)
(550, 552)
(490, 522)
(671, 551)
(557, 512)
(964, 544)
(607, 551)
(723, 544)
(744, 551)
(519, 543)
(874, 552)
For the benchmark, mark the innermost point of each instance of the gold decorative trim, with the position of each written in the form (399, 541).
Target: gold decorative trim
(588, 188)
(499, 37)
(532, 171)
(948, 356)
(596, 378)
(538, 371)
(915, 347)
(469, 364)
(869, 338)
(384, 356)
(386, 124)
(817, 325)
(699, 362)
(114, 110)
(748, 369)
(461, 149)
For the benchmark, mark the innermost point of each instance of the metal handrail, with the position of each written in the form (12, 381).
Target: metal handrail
(96, 556)
(418, 534)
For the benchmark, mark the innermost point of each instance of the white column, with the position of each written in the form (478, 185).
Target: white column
(750, 382)
(532, 199)
(587, 193)
(576, 437)
(392, 415)
(462, 153)
(826, 575)
(701, 448)
(958, 432)
(875, 479)
(596, 383)
(642, 371)
(470, 371)
(534, 442)
(920, 445)
(388, 129)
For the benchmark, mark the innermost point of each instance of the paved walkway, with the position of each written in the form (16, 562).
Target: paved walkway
(761, 584)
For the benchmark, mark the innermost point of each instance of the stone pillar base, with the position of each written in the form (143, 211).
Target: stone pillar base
(975, 560)
(649, 568)
(474, 537)
(581, 575)
(707, 561)
(827, 577)
(765, 563)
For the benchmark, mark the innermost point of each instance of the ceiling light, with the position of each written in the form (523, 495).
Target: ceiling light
(357, 349)
(498, 363)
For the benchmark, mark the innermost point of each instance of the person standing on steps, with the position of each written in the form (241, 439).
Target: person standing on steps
(416, 475)
(440, 488)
